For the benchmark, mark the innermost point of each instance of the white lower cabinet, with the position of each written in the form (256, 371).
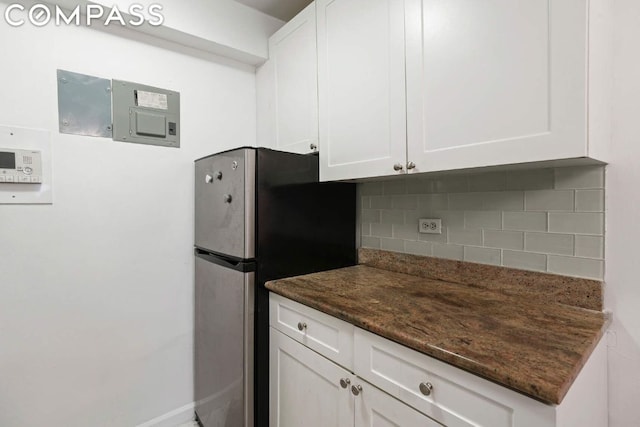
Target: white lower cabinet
(453, 397)
(310, 390)
(324, 334)
(305, 387)
(361, 379)
(375, 408)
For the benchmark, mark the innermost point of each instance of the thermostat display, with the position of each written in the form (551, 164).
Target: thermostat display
(7, 160)
(20, 166)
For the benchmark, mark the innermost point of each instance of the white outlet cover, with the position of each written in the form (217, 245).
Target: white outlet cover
(430, 226)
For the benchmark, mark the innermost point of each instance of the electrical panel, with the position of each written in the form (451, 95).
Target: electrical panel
(145, 114)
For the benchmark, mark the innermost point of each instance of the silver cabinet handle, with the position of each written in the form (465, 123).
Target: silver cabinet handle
(398, 167)
(411, 165)
(344, 382)
(356, 389)
(314, 147)
(426, 388)
(208, 179)
(219, 176)
(228, 198)
(302, 326)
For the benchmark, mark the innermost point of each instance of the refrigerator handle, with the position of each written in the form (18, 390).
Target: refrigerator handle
(237, 265)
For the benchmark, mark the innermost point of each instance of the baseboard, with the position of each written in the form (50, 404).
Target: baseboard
(174, 418)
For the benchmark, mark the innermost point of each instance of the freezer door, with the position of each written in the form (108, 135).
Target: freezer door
(224, 321)
(225, 203)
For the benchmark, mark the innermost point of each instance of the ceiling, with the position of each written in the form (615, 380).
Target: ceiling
(281, 9)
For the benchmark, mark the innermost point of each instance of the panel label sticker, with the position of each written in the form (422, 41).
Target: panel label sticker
(152, 100)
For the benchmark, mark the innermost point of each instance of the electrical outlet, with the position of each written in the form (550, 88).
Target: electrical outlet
(430, 226)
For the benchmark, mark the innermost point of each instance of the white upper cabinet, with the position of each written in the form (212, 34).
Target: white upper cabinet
(407, 86)
(495, 82)
(361, 80)
(288, 87)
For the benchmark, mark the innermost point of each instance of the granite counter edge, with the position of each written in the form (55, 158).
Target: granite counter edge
(548, 396)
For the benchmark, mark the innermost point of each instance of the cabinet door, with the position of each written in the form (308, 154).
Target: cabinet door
(495, 82)
(375, 408)
(305, 387)
(361, 82)
(292, 53)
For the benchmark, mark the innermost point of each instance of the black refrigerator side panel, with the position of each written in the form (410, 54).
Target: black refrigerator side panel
(316, 232)
(302, 226)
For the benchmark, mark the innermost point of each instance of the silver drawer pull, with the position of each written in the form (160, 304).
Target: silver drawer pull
(426, 388)
(356, 389)
(344, 382)
(302, 326)
(398, 167)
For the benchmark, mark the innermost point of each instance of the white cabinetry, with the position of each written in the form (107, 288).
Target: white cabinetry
(312, 391)
(410, 86)
(331, 337)
(499, 82)
(455, 398)
(287, 87)
(374, 408)
(361, 80)
(305, 387)
(387, 384)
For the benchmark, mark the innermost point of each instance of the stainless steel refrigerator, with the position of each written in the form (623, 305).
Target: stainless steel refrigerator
(260, 215)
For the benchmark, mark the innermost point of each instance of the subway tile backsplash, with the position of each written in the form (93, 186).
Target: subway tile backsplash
(541, 220)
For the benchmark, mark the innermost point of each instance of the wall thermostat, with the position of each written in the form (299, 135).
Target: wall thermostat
(20, 166)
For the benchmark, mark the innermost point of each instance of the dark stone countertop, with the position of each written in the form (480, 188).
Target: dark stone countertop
(533, 347)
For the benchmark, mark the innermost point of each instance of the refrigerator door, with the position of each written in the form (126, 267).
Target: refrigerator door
(224, 322)
(225, 203)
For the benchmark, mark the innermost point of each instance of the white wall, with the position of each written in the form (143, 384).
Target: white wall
(212, 25)
(623, 212)
(96, 290)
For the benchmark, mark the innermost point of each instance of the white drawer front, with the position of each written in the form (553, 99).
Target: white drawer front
(458, 399)
(329, 336)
